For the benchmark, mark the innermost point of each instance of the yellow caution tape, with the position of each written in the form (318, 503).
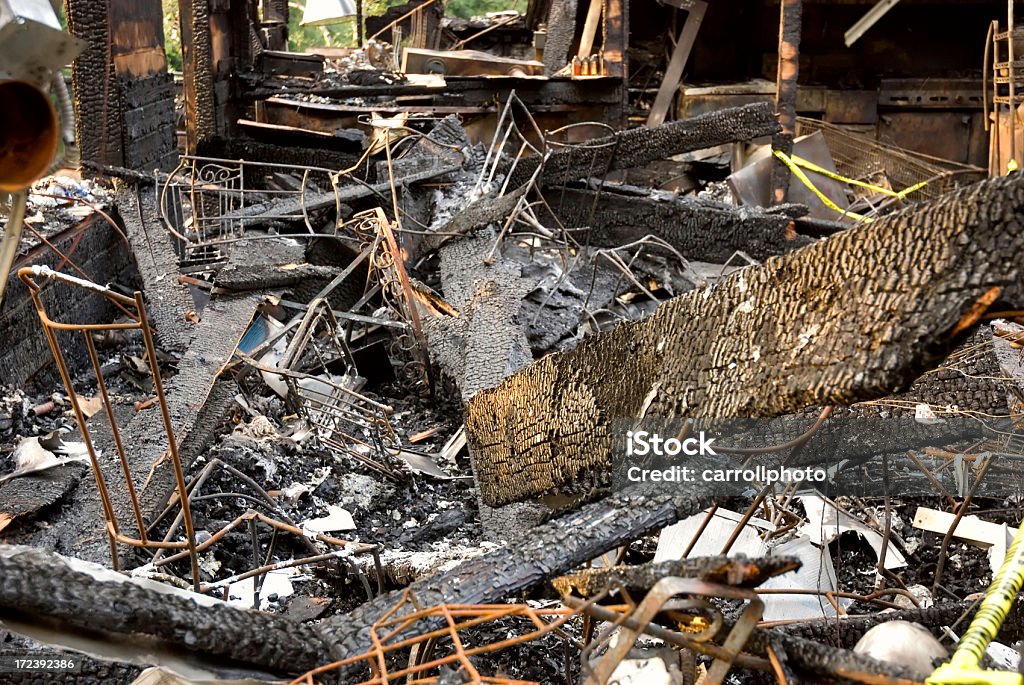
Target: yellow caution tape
(1011, 165)
(811, 166)
(964, 668)
(795, 163)
(799, 173)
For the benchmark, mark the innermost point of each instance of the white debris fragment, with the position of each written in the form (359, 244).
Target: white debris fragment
(274, 583)
(924, 414)
(826, 522)
(32, 456)
(904, 643)
(816, 573)
(337, 519)
(641, 672)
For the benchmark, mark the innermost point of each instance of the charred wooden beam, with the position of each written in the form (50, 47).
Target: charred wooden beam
(486, 342)
(847, 630)
(853, 317)
(196, 404)
(23, 497)
(527, 561)
(738, 571)
(156, 258)
(616, 47)
(636, 147)
(71, 596)
(561, 33)
(703, 231)
(827, 662)
(477, 215)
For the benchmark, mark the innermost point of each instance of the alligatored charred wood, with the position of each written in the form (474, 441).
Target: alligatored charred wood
(846, 632)
(851, 318)
(636, 147)
(824, 661)
(40, 586)
(727, 570)
(699, 230)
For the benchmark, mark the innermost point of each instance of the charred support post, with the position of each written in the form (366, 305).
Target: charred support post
(97, 100)
(674, 73)
(850, 318)
(790, 16)
(275, 24)
(198, 69)
(124, 97)
(561, 32)
(616, 44)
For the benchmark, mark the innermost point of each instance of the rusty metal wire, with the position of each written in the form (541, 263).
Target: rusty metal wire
(698, 593)
(138, 320)
(135, 310)
(407, 626)
(691, 605)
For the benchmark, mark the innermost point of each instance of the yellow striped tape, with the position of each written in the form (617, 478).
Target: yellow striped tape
(964, 668)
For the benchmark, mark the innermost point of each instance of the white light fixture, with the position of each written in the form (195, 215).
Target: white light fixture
(325, 12)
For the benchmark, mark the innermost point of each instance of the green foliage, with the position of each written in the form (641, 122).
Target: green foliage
(477, 8)
(172, 35)
(339, 35)
(302, 37)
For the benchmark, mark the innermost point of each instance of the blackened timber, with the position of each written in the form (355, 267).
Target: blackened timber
(199, 72)
(738, 571)
(826, 662)
(846, 630)
(487, 341)
(467, 90)
(702, 231)
(561, 33)
(42, 586)
(96, 91)
(24, 496)
(479, 214)
(525, 562)
(854, 317)
(193, 394)
(157, 263)
(636, 147)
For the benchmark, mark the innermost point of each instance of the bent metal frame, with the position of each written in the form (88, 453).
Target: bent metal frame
(134, 309)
